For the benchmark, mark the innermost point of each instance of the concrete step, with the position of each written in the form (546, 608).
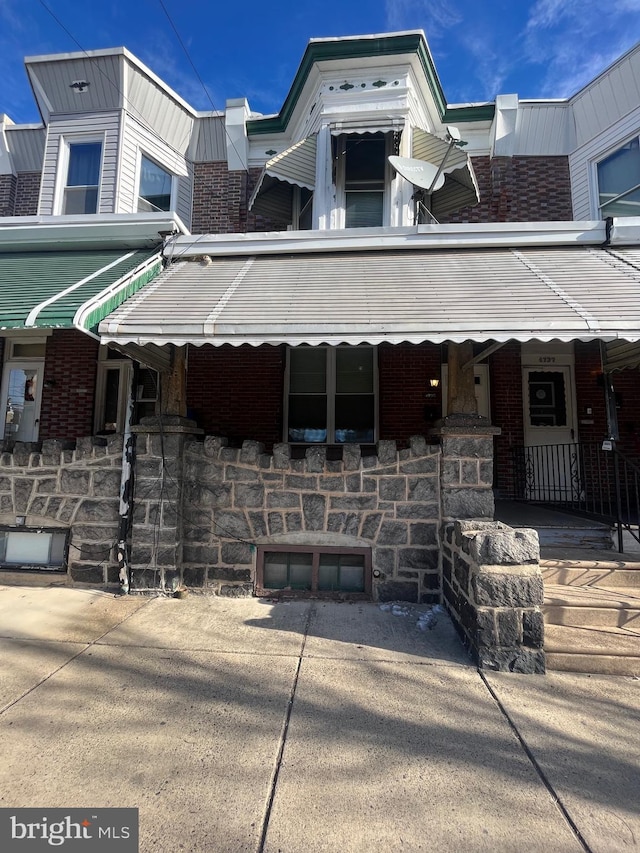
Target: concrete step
(590, 535)
(606, 651)
(580, 567)
(588, 606)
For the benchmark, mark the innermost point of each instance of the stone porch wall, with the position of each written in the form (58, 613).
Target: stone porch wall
(216, 503)
(67, 485)
(492, 586)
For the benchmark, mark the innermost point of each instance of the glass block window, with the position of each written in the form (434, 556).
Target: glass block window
(318, 570)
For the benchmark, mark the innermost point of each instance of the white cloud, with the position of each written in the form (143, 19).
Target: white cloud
(433, 16)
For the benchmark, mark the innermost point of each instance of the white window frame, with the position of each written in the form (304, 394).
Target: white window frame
(340, 213)
(172, 175)
(330, 393)
(620, 143)
(64, 152)
(125, 368)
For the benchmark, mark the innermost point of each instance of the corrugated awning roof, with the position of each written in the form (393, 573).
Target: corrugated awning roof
(295, 166)
(460, 186)
(416, 295)
(68, 289)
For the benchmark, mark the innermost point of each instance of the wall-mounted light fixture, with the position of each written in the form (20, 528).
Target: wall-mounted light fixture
(434, 383)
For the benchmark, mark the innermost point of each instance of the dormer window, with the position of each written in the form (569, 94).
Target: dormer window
(83, 178)
(155, 187)
(364, 164)
(619, 181)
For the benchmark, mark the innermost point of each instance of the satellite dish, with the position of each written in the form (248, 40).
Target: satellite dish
(418, 172)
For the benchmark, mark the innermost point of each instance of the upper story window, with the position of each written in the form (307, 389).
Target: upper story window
(619, 181)
(331, 395)
(83, 178)
(362, 171)
(155, 187)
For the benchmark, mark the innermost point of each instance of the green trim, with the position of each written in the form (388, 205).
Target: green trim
(134, 284)
(474, 112)
(351, 49)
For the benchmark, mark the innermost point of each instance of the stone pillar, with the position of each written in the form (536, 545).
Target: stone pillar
(493, 589)
(156, 539)
(466, 472)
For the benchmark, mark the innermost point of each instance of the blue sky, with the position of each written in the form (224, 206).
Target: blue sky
(537, 49)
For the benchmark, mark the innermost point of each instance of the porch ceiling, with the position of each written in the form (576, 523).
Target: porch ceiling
(499, 294)
(69, 288)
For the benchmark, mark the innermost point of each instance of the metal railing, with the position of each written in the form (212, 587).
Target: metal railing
(582, 478)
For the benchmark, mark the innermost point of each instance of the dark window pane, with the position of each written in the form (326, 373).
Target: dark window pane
(84, 164)
(355, 420)
(364, 209)
(111, 399)
(354, 370)
(307, 418)
(283, 570)
(155, 187)
(365, 159)
(308, 370)
(341, 572)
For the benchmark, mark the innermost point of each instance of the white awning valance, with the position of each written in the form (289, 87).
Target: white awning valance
(295, 166)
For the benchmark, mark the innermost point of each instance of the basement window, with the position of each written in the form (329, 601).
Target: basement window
(307, 570)
(33, 548)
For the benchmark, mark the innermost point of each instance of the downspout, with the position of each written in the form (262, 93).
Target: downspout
(126, 490)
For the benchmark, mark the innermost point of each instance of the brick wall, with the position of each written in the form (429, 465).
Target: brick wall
(506, 412)
(237, 391)
(7, 194)
(592, 427)
(70, 371)
(519, 189)
(220, 201)
(404, 373)
(626, 384)
(27, 193)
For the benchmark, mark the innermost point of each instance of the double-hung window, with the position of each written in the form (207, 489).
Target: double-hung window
(83, 178)
(363, 164)
(155, 187)
(331, 395)
(619, 181)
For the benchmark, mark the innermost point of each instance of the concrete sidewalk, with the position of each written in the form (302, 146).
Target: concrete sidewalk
(244, 725)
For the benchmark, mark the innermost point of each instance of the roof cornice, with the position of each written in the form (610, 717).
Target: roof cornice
(364, 47)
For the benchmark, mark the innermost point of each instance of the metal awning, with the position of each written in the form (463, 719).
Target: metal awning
(417, 295)
(295, 166)
(70, 288)
(460, 186)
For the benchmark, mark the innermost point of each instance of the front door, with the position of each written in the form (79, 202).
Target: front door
(21, 395)
(550, 433)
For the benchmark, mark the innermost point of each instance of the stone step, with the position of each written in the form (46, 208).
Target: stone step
(594, 536)
(580, 567)
(588, 606)
(603, 650)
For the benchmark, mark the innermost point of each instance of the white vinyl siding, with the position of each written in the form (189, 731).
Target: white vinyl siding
(170, 120)
(64, 130)
(138, 140)
(582, 163)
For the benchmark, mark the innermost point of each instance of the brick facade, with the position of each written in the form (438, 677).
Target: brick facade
(519, 189)
(69, 385)
(27, 193)
(404, 407)
(7, 194)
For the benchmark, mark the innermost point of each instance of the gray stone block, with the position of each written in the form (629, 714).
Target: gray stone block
(241, 475)
(418, 558)
(468, 503)
(422, 533)
(351, 457)
(236, 553)
(353, 483)
(392, 488)
(313, 508)
(503, 590)
(336, 522)
(385, 560)
(227, 573)
(505, 547)
(251, 452)
(38, 506)
(283, 500)
(301, 482)
(387, 452)
(533, 628)
(393, 533)
(331, 484)
(352, 524)
(237, 591)
(421, 489)
(228, 454)
(276, 523)
(417, 510)
(281, 456)
(265, 461)
(486, 627)
(213, 444)
(469, 473)
(418, 445)
(509, 628)
(106, 483)
(524, 661)
(369, 484)
(258, 523)
(397, 591)
(426, 465)
(202, 555)
(46, 486)
(74, 482)
(229, 523)
(293, 521)
(316, 459)
(353, 502)
(467, 446)
(249, 495)
(370, 525)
